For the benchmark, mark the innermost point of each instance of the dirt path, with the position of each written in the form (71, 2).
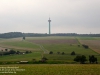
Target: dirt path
(42, 48)
(45, 51)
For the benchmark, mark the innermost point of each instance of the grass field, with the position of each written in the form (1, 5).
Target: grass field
(25, 57)
(53, 69)
(18, 44)
(40, 46)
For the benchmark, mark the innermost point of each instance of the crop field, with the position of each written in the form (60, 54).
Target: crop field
(18, 43)
(41, 46)
(25, 57)
(57, 64)
(92, 42)
(62, 44)
(54, 69)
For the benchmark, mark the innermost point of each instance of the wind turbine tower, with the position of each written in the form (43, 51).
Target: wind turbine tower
(49, 26)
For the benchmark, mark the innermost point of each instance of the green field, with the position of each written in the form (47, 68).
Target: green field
(25, 57)
(57, 64)
(41, 46)
(54, 69)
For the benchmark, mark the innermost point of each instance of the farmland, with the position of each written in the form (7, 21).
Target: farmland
(54, 69)
(57, 64)
(94, 44)
(41, 46)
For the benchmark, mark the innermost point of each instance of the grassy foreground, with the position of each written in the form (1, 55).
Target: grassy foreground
(54, 69)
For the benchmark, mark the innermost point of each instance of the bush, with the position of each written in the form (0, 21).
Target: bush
(50, 52)
(6, 49)
(85, 46)
(73, 53)
(63, 53)
(43, 59)
(78, 45)
(28, 52)
(12, 52)
(24, 38)
(17, 52)
(58, 52)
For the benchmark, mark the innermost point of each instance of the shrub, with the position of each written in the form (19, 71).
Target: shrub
(50, 52)
(73, 53)
(17, 52)
(58, 52)
(63, 53)
(12, 52)
(24, 38)
(6, 49)
(85, 46)
(43, 59)
(78, 45)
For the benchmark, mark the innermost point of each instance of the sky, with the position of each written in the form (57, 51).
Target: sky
(67, 16)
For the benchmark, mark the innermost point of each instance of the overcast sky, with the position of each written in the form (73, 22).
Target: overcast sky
(68, 16)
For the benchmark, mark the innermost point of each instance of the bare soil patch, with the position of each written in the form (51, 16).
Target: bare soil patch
(57, 41)
(1, 48)
(93, 44)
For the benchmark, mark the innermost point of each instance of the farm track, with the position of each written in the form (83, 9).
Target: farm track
(41, 47)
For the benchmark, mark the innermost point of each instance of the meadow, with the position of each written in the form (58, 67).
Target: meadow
(41, 46)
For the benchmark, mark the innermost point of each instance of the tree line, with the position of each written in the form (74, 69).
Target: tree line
(20, 34)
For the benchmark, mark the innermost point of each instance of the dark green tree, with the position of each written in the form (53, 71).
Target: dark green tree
(27, 52)
(6, 49)
(73, 53)
(50, 52)
(58, 52)
(82, 59)
(17, 52)
(92, 59)
(63, 53)
(12, 52)
(43, 59)
(23, 37)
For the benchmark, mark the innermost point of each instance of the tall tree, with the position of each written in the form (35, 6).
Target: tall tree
(23, 37)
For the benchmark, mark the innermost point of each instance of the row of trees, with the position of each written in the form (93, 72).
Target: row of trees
(82, 59)
(20, 34)
(72, 53)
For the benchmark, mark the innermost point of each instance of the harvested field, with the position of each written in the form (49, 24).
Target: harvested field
(1, 48)
(56, 41)
(93, 44)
